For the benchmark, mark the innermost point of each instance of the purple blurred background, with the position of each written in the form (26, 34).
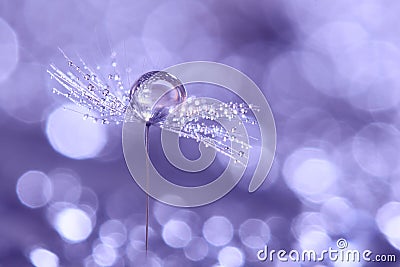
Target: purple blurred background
(329, 69)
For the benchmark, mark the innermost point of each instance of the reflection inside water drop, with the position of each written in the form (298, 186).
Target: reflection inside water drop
(154, 94)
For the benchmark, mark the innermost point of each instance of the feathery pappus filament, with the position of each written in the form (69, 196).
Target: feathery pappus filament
(157, 98)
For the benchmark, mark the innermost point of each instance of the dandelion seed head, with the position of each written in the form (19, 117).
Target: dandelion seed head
(156, 98)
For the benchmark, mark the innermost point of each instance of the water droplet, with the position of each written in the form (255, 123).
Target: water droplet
(70, 63)
(110, 76)
(155, 93)
(90, 87)
(86, 77)
(241, 153)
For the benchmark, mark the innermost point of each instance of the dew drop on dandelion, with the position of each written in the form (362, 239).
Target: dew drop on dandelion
(155, 93)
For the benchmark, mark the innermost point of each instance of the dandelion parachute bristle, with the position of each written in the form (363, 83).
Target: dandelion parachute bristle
(107, 100)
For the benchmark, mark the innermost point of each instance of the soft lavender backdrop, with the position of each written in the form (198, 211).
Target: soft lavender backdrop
(329, 69)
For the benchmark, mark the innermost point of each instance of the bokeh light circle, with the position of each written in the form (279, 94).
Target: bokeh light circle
(218, 231)
(375, 148)
(231, 257)
(104, 255)
(197, 249)
(34, 189)
(73, 224)
(113, 233)
(8, 50)
(41, 257)
(74, 137)
(177, 234)
(254, 233)
(388, 220)
(310, 173)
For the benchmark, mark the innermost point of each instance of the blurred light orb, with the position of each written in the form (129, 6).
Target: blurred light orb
(218, 231)
(231, 257)
(177, 234)
(282, 75)
(33, 89)
(320, 72)
(338, 215)
(88, 199)
(373, 68)
(8, 50)
(34, 189)
(163, 212)
(388, 221)
(137, 237)
(66, 186)
(375, 148)
(104, 255)
(90, 262)
(113, 233)
(307, 221)
(309, 173)
(149, 259)
(72, 136)
(41, 257)
(174, 260)
(73, 224)
(254, 233)
(334, 37)
(197, 249)
(391, 228)
(316, 240)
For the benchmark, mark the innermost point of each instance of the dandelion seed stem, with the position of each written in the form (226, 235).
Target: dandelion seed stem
(147, 185)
